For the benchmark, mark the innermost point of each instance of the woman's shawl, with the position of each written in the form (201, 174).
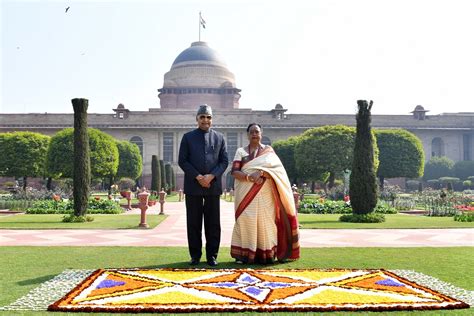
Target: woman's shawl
(285, 210)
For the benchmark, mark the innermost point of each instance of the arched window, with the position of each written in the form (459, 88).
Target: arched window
(437, 147)
(266, 140)
(139, 142)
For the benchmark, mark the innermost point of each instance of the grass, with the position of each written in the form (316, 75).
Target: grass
(53, 221)
(392, 221)
(24, 268)
(308, 221)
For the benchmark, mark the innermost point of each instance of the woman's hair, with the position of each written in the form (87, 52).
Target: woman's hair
(252, 124)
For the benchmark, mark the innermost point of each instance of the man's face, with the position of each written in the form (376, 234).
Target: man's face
(204, 121)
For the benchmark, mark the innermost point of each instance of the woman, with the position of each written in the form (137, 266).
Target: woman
(266, 227)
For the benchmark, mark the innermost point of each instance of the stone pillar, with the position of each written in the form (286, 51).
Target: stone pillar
(162, 201)
(143, 205)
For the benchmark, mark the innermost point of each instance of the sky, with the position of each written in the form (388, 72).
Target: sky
(309, 56)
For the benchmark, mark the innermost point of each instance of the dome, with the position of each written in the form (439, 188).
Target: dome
(199, 75)
(199, 51)
(419, 108)
(120, 106)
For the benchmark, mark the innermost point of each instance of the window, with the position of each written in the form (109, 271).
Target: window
(437, 147)
(466, 142)
(121, 115)
(231, 145)
(139, 142)
(168, 144)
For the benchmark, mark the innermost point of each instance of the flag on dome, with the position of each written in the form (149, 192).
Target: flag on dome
(202, 21)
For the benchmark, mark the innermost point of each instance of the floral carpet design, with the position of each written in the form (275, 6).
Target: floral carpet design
(233, 290)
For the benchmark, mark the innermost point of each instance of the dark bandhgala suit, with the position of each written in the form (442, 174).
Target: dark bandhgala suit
(203, 152)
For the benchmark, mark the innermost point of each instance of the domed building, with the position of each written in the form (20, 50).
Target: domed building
(199, 75)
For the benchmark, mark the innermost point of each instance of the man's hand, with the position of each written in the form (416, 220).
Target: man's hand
(204, 180)
(207, 179)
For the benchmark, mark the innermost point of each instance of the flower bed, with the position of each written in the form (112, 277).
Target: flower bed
(240, 290)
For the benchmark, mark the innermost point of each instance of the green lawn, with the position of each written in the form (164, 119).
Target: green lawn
(53, 221)
(23, 268)
(392, 221)
(308, 221)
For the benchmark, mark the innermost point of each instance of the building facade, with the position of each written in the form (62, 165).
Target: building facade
(199, 75)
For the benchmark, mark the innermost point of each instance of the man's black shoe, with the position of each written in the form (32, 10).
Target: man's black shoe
(194, 262)
(212, 262)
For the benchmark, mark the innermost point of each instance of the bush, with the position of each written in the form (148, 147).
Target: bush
(67, 207)
(15, 205)
(464, 217)
(412, 185)
(384, 208)
(438, 167)
(71, 218)
(310, 206)
(51, 207)
(103, 206)
(126, 184)
(463, 169)
(363, 218)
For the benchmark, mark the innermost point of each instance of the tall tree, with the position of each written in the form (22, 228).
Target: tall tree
(82, 170)
(130, 160)
(285, 149)
(400, 154)
(104, 156)
(363, 185)
(173, 179)
(23, 154)
(168, 176)
(322, 153)
(155, 174)
(163, 175)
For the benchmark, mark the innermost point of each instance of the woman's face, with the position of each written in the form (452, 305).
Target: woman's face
(254, 134)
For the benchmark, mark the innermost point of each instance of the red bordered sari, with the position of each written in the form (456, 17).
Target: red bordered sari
(266, 227)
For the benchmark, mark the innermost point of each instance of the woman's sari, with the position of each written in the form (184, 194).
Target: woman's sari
(266, 226)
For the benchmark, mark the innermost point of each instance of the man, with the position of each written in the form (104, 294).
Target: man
(203, 158)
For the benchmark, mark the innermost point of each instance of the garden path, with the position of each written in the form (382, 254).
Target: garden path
(172, 232)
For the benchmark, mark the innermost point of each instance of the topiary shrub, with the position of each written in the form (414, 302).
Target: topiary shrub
(412, 185)
(438, 167)
(433, 183)
(464, 169)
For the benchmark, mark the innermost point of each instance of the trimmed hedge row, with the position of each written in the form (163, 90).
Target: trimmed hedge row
(67, 207)
(310, 206)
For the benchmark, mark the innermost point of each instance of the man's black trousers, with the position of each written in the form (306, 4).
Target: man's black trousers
(207, 207)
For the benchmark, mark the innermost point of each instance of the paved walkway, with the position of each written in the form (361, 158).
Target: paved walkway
(172, 232)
